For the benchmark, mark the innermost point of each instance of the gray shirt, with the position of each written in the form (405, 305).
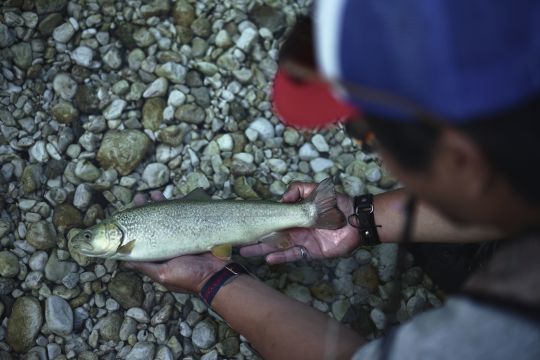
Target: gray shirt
(461, 329)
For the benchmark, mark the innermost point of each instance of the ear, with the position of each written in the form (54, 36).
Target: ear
(460, 157)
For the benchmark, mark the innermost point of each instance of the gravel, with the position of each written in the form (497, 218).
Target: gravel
(101, 100)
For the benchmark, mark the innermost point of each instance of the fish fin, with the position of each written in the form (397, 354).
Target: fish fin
(278, 239)
(197, 194)
(222, 252)
(126, 249)
(328, 215)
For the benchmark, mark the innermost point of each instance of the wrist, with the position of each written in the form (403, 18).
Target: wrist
(363, 219)
(219, 279)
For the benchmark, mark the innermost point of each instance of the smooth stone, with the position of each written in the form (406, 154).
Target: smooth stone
(299, 292)
(271, 18)
(264, 127)
(41, 235)
(129, 327)
(113, 58)
(366, 276)
(247, 39)
(115, 109)
(352, 185)
(190, 113)
(123, 150)
(86, 100)
(56, 270)
(320, 143)
(183, 13)
(67, 216)
(87, 171)
(173, 72)
(156, 175)
(223, 40)
(139, 315)
(38, 260)
(126, 288)
(141, 351)
(64, 86)
(278, 166)
(386, 254)
(64, 112)
(202, 27)
(58, 315)
(109, 326)
(204, 334)
(379, 318)
(157, 88)
(373, 174)
(63, 33)
(38, 151)
(7, 36)
(22, 55)
(9, 264)
(225, 142)
(24, 323)
(321, 164)
(176, 98)
(152, 113)
(49, 6)
(291, 137)
(307, 152)
(83, 56)
(323, 291)
(340, 309)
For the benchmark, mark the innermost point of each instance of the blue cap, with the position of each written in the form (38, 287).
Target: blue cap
(458, 59)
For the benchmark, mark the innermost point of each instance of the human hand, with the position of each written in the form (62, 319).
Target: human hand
(317, 243)
(184, 273)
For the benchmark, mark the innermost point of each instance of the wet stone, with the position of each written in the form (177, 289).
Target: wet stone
(9, 264)
(22, 55)
(24, 323)
(204, 334)
(58, 315)
(109, 326)
(41, 235)
(190, 113)
(123, 150)
(64, 112)
(126, 288)
(152, 113)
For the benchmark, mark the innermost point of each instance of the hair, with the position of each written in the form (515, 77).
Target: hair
(508, 139)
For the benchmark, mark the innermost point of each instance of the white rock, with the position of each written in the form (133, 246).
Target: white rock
(113, 58)
(277, 165)
(373, 174)
(223, 40)
(63, 33)
(83, 56)
(321, 164)
(307, 152)
(82, 197)
(176, 73)
(352, 185)
(138, 314)
(156, 175)
(320, 143)
(64, 86)
(225, 142)
(251, 134)
(176, 98)
(39, 152)
(245, 157)
(264, 127)
(115, 109)
(168, 113)
(157, 88)
(379, 318)
(246, 40)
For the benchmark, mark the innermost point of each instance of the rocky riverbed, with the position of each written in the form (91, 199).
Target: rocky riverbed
(101, 99)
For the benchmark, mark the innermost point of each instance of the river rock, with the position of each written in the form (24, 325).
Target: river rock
(109, 326)
(156, 175)
(41, 235)
(64, 86)
(190, 113)
(126, 288)
(24, 323)
(123, 150)
(157, 88)
(204, 334)
(152, 113)
(269, 17)
(58, 315)
(66, 217)
(141, 351)
(83, 56)
(263, 127)
(9, 264)
(56, 270)
(22, 55)
(64, 112)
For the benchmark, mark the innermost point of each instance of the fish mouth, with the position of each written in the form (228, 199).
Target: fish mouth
(83, 247)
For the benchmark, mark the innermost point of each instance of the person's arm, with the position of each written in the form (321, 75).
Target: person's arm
(280, 327)
(429, 225)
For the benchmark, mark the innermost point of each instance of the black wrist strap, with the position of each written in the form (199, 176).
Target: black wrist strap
(363, 219)
(222, 277)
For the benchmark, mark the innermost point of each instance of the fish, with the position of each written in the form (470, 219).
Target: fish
(196, 224)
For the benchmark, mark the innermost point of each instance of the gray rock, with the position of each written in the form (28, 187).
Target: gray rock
(307, 152)
(173, 72)
(247, 39)
(123, 150)
(129, 327)
(156, 175)
(39, 152)
(190, 113)
(83, 56)
(141, 351)
(64, 86)
(65, 112)
(212, 355)
(291, 137)
(225, 142)
(152, 113)
(113, 58)
(183, 13)
(87, 171)
(204, 334)
(58, 315)
(202, 96)
(277, 165)
(64, 32)
(352, 185)
(386, 254)
(53, 350)
(164, 353)
(41, 235)
(109, 326)
(340, 309)
(71, 280)
(49, 6)
(7, 36)
(38, 260)
(176, 98)
(22, 55)
(115, 109)
(139, 315)
(321, 164)
(202, 27)
(379, 318)
(163, 315)
(9, 264)
(263, 127)
(269, 17)
(157, 88)
(56, 270)
(126, 288)
(320, 143)
(299, 292)
(373, 174)
(24, 323)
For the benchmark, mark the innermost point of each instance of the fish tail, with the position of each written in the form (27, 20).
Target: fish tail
(327, 213)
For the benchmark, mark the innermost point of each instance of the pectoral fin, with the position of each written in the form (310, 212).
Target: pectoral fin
(278, 239)
(222, 252)
(127, 248)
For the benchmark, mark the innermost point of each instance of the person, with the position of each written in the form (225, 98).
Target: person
(451, 91)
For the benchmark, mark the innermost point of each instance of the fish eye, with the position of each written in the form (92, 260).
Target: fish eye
(87, 235)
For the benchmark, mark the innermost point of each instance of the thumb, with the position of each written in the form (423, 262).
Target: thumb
(297, 191)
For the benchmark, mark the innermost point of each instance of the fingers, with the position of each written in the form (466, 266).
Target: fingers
(293, 254)
(298, 191)
(140, 199)
(257, 250)
(157, 195)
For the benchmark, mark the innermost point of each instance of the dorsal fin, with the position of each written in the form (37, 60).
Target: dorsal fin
(198, 194)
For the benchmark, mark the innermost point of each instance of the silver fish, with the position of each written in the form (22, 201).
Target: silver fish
(163, 230)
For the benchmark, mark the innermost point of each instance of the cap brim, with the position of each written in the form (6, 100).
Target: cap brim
(308, 104)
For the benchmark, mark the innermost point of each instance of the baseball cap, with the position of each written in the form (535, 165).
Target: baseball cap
(457, 59)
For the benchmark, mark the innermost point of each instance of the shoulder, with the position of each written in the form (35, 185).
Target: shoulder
(461, 329)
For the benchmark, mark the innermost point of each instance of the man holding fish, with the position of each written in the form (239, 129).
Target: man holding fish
(451, 91)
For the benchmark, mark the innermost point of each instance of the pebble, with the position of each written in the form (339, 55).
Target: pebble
(123, 150)
(157, 88)
(9, 264)
(204, 334)
(278, 166)
(38, 260)
(321, 164)
(307, 152)
(225, 142)
(173, 72)
(263, 127)
(126, 288)
(320, 143)
(176, 98)
(115, 109)
(83, 56)
(39, 152)
(24, 323)
(246, 39)
(63, 33)
(113, 58)
(139, 315)
(129, 327)
(41, 235)
(378, 317)
(156, 175)
(58, 315)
